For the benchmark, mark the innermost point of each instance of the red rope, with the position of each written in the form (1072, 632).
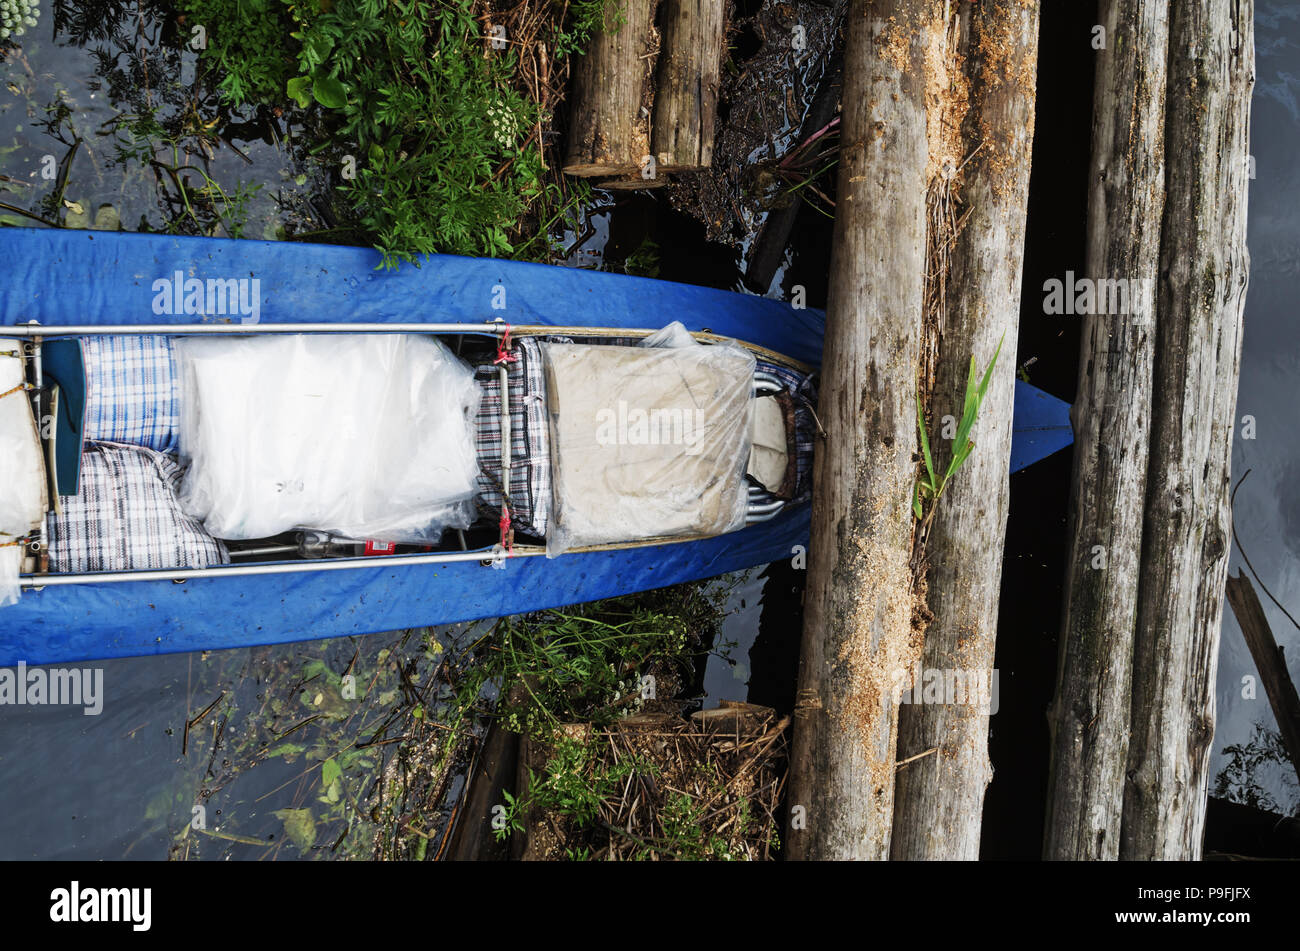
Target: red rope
(507, 537)
(503, 349)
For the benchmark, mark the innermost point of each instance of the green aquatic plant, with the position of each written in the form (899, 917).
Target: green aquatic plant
(588, 663)
(16, 16)
(245, 41)
(435, 132)
(574, 784)
(930, 487)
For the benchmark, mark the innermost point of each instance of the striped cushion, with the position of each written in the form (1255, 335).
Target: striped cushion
(126, 515)
(132, 396)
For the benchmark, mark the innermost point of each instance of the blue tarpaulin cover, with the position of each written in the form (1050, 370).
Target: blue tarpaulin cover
(85, 277)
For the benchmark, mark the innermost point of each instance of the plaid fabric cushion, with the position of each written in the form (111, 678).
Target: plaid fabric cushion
(530, 455)
(530, 462)
(804, 391)
(126, 515)
(132, 394)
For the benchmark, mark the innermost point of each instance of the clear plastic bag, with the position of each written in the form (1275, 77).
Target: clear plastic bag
(22, 471)
(364, 435)
(11, 566)
(649, 441)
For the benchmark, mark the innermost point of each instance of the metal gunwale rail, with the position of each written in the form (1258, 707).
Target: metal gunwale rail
(90, 330)
(272, 568)
(490, 327)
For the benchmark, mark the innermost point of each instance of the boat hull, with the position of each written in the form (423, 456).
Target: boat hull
(74, 278)
(90, 278)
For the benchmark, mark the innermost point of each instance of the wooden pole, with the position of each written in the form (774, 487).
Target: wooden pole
(1112, 420)
(1270, 661)
(609, 125)
(495, 768)
(939, 798)
(1204, 268)
(859, 600)
(686, 95)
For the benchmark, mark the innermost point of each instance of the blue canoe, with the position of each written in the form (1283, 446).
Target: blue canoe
(93, 278)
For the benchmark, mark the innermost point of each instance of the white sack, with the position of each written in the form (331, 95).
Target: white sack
(22, 470)
(647, 442)
(367, 435)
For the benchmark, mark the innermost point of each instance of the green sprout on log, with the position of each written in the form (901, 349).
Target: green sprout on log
(930, 488)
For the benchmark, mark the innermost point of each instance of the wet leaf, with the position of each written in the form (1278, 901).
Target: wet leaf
(287, 750)
(329, 92)
(329, 772)
(299, 90)
(107, 219)
(299, 826)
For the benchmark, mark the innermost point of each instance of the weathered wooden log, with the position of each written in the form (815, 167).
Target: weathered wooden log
(1112, 419)
(1185, 536)
(473, 838)
(939, 799)
(609, 123)
(859, 600)
(1270, 661)
(630, 183)
(686, 94)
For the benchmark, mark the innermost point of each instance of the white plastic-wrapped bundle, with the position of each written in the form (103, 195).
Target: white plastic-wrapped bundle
(649, 441)
(11, 567)
(367, 435)
(22, 473)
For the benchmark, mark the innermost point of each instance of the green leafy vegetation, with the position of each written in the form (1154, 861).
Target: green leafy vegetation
(590, 662)
(16, 16)
(575, 784)
(653, 788)
(436, 135)
(929, 488)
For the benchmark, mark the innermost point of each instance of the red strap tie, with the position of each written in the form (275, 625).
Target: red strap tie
(507, 536)
(503, 349)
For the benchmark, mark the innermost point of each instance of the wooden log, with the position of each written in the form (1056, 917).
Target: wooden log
(630, 183)
(1204, 267)
(1270, 661)
(609, 123)
(939, 799)
(859, 601)
(686, 94)
(473, 838)
(1089, 717)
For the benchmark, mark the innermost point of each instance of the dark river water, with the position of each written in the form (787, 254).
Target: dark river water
(119, 784)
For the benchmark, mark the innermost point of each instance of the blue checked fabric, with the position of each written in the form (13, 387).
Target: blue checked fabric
(126, 516)
(530, 454)
(132, 394)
